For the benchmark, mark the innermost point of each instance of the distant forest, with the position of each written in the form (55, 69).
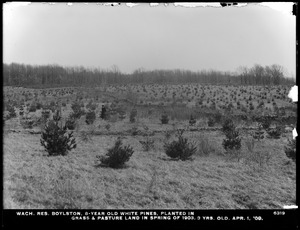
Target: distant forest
(55, 76)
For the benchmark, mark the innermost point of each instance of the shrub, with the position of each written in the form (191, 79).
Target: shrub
(192, 120)
(32, 108)
(274, 133)
(77, 110)
(90, 117)
(117, 155)
(104, 113)
(133, 114)
(70, 123)
(27, 122)
(12, 112)
(164, 119)
(211, 122)
(91, 106)
(228, 126)
(266, 122)
(259, 133)
(232, 141)
(39, 105)
(45, 115)
(180, 149)
(21, 112)
(56, 139)
(290, 149)
(122, 115)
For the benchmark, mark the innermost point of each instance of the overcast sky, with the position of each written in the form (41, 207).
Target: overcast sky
(150, 37)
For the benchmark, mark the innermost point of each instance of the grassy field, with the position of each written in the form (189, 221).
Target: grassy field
(261, 178)
(149, 180)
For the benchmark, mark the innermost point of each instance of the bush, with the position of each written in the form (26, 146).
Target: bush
(45, 115)
(211, 122)
(90, 117)
(274, 133)
(117, 155)
(259, 133)
(122, 115)
(21, 112)
(77, 110)
(27, 122)
(164, 119)
(266, 122)
(228, 126)
(32, 108)
(39, 105)
(232, 141)
(290, 149)
(180, 149)
(192, 120)
(55, 138)
(70, 123)
(133, 114)
(91, 106)
(104, 113)
(12, 112)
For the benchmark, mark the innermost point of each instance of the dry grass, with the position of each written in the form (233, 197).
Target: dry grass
(150, 180)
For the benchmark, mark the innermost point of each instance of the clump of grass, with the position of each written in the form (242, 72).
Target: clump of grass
(205, 147)
(147, 144)
(256, 157)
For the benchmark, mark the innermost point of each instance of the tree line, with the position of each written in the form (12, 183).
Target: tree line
(15, 74)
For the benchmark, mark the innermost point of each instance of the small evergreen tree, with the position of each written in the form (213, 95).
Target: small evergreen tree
(180, 149)
(70, 123)
(228, 126)
(12, 112)
(259, 133)
(274, 133)
(56, 139)
(122, 115)
(21, 112)
(192, 120)
(232, 142)
(290, 149)
(211, 122)
(117, 156)
(133, 114)
(77, 110)
(266, 122)
(164, 118)
(90, 117)
(104, 114)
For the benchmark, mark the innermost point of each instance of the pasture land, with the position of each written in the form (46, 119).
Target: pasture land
(262, 177)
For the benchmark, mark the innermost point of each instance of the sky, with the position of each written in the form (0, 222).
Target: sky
(160, 37)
